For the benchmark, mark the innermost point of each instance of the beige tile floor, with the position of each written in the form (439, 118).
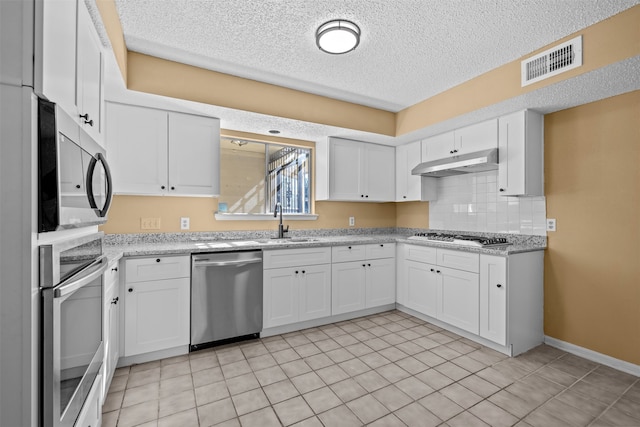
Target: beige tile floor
(388, 369)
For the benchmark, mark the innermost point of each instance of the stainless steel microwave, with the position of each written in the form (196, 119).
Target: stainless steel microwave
(74, 181)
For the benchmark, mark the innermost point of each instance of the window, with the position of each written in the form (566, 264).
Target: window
(254, 176)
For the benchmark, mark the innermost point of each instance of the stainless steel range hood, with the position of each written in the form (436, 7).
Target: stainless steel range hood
(478, 161)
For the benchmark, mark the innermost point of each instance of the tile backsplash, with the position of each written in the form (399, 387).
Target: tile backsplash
(471, 202)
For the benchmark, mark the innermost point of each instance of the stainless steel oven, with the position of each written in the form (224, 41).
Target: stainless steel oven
(71, 280)
(74, 181)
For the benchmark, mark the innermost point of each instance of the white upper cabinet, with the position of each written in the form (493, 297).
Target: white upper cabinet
(89, 76)
(481, 136)
(69, 62)
(355, 171)
(407, 186)
(156, 152)
(194, 155)
(521, 171)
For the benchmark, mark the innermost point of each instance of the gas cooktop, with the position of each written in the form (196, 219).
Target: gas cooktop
(461, 239)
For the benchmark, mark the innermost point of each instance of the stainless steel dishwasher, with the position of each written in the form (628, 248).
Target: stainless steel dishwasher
(226, 297)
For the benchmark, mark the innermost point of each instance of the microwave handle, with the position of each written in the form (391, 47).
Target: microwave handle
(91, 273)
(92, 200)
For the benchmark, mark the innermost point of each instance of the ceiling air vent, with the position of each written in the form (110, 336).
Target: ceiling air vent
(556, 60)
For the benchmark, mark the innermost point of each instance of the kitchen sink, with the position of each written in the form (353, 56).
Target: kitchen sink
(276, 240)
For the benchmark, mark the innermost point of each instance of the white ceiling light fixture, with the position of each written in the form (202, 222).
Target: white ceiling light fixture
(338, 36)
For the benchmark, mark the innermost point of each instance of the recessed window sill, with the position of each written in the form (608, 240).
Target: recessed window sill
(263, 217)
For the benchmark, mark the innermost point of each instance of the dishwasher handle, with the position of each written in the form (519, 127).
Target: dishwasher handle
(239, 263)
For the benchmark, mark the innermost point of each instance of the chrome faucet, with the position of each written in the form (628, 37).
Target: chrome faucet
(281, 229)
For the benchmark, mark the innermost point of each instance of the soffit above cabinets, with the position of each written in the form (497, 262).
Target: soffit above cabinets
(409, 52)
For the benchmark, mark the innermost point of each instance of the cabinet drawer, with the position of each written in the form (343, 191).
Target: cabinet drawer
(381, 250)
(420, 254)
(296, 257)
(111, 276)
(157, 268)
(459, 260)
(348, 253)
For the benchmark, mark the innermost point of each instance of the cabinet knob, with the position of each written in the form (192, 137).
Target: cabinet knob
(157, 259)
(455, 151)
(349, 247)
(115, 300)
(364, 265)
(368, 265)
(450, 151)
(114, 269)
(438, 271)
(404, 197)
(173, 188)
(366, 196)
(382, 246)
(162, 187)
(296, 271)
(499, 285)
(362, 195)
(432, 270)
(77, 185)
(130, 289)
(502, 189)
(85, 117)
(303, 271)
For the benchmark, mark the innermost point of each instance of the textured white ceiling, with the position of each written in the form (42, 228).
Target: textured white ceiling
(410, 51)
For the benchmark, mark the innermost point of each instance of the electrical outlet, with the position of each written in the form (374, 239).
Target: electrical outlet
(551, 224)
(150, 223)
(352, 221)
(184, 223)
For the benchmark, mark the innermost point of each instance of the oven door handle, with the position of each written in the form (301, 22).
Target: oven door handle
(88, 275)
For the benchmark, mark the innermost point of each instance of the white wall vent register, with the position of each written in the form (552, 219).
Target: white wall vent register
(558, 59)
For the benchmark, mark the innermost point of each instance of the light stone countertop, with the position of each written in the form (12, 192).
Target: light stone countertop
(117, 248)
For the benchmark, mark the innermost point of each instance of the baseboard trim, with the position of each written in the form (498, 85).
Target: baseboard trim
(594, 356)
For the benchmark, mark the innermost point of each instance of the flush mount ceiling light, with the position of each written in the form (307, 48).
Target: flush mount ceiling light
(338, 36)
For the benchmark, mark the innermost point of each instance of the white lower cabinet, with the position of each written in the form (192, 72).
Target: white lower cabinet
(493, 298)
(421, 287)
(91, 412)
(366, 282)
(458, 298)
(499, 299)
(157, 310)
(294, 292)
(348, 286)
(110, 325)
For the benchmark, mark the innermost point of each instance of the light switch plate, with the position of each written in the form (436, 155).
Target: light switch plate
(551, 224)
(352, 221)
(184, 223)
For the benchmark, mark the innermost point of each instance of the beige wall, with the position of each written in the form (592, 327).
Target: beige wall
(592, 265)
(126, 212)
(412, 214)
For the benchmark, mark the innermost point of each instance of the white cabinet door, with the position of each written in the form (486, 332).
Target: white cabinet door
(137, 149)
(55, 53)
(380, 282)
(194, 151)
(481, 136)
(520, 170)
(422, 287)
(438, 147)
(281, 296)
(315, 292)
(458, 298)
(408, 187)
(378, 173)
(348, 287)
(89, 76)
(493, 298)
(345, 170)
(156, 315)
